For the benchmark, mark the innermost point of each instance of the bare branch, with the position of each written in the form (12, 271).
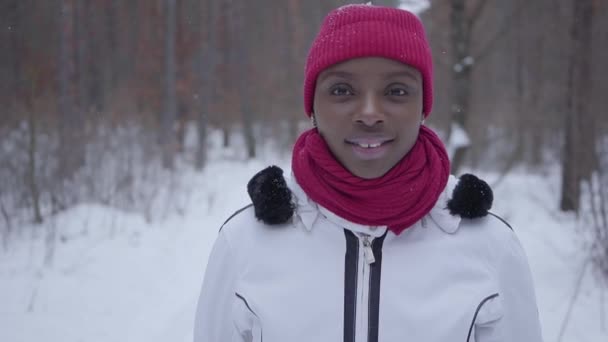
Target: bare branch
(506, 26)
(474, 18)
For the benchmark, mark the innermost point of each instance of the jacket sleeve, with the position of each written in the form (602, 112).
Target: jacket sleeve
(513, 315)
(213, 319)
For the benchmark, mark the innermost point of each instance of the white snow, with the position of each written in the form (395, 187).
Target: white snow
(415, 6)
(458, 138)
(468, 60)
(458, 67)
(115, 277)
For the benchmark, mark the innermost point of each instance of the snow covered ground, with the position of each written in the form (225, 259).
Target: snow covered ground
(115, 277)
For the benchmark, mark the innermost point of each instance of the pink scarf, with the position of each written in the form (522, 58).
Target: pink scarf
(398, 199)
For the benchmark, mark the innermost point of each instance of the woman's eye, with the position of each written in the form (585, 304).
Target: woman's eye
(397, 92)
(341, 91)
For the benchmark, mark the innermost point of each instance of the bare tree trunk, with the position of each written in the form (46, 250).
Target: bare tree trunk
(461, 74)
(133, 15)
(11, 55)
(206, 63)
(297, 41)
(112, 41)
(201, 127)
(570, 198)
(579, 147)
(583, 14)
(96, 85)
(82, 9)
(169, 114)
(247, 117)
(241, 59)
(71, 149)
(464, 16)
(536, 132)
(225, 136)
(520, 94)
(31, 174)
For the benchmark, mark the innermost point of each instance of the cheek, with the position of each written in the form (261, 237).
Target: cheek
(414, 127)
(331, 118)
(411, 129)
(328, 132)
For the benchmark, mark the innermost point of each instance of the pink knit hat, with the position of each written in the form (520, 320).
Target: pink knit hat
(354, 31)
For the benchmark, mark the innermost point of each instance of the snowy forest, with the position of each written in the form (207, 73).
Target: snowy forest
(129, 130)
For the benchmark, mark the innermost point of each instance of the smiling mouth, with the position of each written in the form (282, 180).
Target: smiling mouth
(368, 144)
(368, 149)
(374, 145)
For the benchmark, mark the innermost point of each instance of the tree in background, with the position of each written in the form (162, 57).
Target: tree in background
(579, 156)
(168, 116)
(71, 150)
(88, 71)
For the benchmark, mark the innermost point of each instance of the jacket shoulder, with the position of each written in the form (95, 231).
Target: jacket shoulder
(235, 214)
(501, 220)
(493, 234)
(245, 226)
(491, 224)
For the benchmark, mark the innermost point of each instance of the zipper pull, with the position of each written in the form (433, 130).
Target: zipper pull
(368, 252)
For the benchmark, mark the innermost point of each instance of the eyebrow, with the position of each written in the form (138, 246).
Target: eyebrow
(387, 75)
(403, 73)
(337, 73)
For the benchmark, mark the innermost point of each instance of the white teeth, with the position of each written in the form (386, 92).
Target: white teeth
(370, 145)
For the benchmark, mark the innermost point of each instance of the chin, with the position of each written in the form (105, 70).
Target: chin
(369, 174)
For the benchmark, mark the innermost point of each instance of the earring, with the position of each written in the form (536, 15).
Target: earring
(423, 121)
(313, 120)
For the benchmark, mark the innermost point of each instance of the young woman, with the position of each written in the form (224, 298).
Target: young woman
(370, 239)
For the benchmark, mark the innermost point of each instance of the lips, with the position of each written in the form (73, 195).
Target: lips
(372, 145)
(369, 148)
(368, 142)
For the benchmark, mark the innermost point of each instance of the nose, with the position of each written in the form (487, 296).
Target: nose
(371, 112)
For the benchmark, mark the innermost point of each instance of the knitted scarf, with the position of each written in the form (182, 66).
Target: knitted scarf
(398, 199)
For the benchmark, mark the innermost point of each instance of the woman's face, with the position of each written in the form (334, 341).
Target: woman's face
(369, 112)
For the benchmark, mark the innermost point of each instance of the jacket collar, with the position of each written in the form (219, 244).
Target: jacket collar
(440, 214)
(308, 212)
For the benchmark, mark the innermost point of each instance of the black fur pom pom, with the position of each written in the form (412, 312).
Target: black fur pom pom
(472, 197)
(270, 196)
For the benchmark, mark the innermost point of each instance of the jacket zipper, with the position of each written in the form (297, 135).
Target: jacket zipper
(368, 252)
(362, 287)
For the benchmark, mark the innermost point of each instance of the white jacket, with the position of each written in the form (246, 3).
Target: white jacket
(321, 278)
